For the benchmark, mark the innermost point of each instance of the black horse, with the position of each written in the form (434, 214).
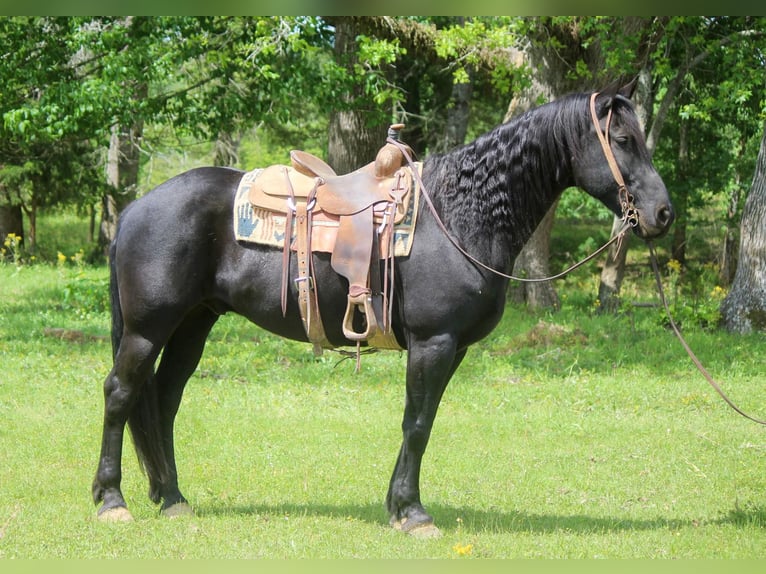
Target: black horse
(176, 267)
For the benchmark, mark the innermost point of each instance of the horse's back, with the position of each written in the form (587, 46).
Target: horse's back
(180, 197)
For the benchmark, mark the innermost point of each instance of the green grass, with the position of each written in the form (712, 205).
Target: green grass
(566, 435)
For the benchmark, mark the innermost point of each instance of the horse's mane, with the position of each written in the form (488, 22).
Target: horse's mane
(505, 180)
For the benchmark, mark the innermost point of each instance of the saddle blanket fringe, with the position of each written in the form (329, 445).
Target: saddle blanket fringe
(264, 227)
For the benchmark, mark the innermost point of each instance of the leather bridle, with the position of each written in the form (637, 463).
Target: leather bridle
(629, 211)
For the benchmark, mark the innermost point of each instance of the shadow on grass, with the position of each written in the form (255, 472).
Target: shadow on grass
(450, 519)
(748, 515)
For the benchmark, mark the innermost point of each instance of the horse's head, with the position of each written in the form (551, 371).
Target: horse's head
(613, 165)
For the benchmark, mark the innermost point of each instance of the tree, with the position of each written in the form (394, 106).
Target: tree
(220, 87)
(424, 72)
(73, 83)
(51, 121)
(357, 126)
(704, 86)
(744, 308)
(123, 155)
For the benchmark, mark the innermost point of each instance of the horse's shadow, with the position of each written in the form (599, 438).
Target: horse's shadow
(452, 519)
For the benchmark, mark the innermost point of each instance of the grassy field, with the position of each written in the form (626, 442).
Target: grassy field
(565, 435)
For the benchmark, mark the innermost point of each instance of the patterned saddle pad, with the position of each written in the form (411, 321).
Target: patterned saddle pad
(264, 227)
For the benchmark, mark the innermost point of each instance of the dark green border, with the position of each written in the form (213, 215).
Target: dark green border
(357, 7)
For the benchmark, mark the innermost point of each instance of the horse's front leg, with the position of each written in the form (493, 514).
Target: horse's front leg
(430, 365)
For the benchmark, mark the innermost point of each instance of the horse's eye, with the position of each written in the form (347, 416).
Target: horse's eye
(620, 138)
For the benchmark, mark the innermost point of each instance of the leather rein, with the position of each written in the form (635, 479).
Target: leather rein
(697, 363)
(629, 219)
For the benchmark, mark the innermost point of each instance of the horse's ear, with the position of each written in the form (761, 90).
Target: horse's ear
(629, 89)
(621, 87)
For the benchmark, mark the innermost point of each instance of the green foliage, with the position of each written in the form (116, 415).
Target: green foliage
(577, 205)
(83, 293)
(68, 80)
(375, 56)
(721, 105)
(270, 82)
(475, 44)
(694, 296)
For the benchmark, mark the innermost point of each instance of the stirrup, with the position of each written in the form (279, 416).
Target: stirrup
(363, 301)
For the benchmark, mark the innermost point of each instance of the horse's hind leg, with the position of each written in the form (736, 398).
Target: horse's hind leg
(179, 360)
(133, 365)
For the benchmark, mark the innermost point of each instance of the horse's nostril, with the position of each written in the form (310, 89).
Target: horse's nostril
(665, 216)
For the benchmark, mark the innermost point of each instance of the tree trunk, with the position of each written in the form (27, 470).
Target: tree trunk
(351, 142)
(458, 115)
(532, 262)
(30, 243)
(728, 263)
(11, 221)
(681, 197)
(122, 161)
(226, 150)
(122, 176)
(92, 214)
(744, 308)
(613, 272)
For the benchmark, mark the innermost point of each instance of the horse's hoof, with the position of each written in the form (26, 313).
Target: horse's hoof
(177, 510)
(421, 530)
(115, 514)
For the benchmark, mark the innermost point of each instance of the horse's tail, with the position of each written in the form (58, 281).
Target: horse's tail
(144, 420)
(114, 299)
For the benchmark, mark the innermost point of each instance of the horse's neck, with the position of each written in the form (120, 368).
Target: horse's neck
(496, 190)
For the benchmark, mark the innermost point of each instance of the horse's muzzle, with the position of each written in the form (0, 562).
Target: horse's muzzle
(658, 224)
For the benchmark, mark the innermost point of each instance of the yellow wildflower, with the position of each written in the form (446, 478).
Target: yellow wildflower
(718, 292)
(61, 258)
(12, 240)
(674, 265)
(463, 549)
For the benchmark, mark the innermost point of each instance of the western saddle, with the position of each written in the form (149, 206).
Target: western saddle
(366, 203)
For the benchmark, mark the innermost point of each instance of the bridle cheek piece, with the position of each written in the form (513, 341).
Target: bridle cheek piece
(629, 211)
